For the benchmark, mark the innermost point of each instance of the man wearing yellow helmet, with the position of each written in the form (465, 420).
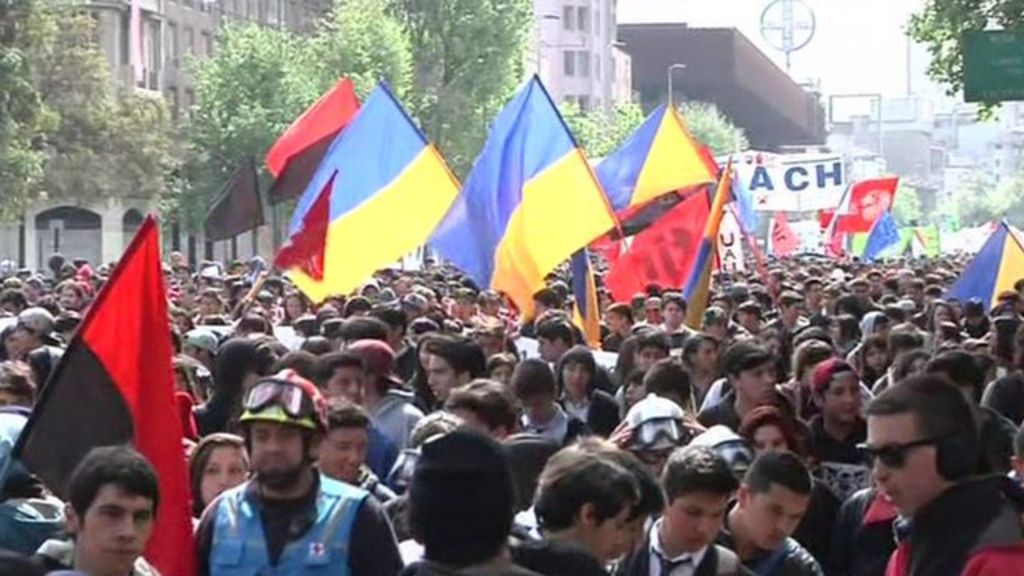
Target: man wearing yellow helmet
(288, 518)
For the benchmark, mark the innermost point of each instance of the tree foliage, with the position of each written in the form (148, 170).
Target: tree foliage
(106, 140)
(468, 61)
(261, 79)
(709, 125)
(598, 132)
(940, 25)
(906, 207)
(23, 117)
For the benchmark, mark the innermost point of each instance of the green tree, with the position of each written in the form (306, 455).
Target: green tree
(106, 140)
(261, 79)
(24, 121)
(907, 206)
(709, 125)
(469, 58)
(598, 132)
(940, 25)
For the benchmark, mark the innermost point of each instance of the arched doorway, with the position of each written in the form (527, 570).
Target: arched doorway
(130, 223)
(71, 231)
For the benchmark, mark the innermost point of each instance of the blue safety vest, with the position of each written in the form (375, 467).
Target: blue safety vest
(239, 547)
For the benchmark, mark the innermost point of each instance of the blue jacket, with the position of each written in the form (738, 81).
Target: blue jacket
(239, 544)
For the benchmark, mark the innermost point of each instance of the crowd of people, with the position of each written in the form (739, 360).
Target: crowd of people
(830, 417)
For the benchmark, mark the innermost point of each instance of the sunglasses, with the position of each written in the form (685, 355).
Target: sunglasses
(892, 455)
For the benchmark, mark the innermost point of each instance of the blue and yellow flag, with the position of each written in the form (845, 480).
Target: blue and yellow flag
(379, 191)
(585, 312)
(659, 157)
(698, 288)
(994, 269)
(530, 202)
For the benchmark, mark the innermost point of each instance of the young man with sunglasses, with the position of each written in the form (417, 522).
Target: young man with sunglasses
(288, 519)
(923, 445)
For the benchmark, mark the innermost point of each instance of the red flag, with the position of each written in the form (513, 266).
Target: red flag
(115, 385)
(662, 254)
(784, 240)
(868, 200)
(306, 248)
(294, 158)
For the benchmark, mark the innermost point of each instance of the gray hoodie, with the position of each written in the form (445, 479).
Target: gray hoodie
(396, 416)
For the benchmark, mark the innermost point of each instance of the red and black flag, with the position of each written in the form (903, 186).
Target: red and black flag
(294, 158)
(238, 207)
(114, 385)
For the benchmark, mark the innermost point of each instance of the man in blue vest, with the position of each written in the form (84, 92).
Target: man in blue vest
(289, 519)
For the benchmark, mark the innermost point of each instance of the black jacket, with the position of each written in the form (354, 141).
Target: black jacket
(794, 561)
(556, 559)
(603, 415)
(861, 544)
(716, 562)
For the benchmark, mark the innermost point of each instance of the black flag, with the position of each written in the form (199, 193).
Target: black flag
(238, 207)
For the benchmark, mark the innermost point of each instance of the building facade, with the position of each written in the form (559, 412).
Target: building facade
(577, 55)
(171, 33)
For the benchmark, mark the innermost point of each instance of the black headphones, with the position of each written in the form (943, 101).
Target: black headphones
(956, 456)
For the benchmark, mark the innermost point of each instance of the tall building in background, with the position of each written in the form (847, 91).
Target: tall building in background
(577, 54)
(172, 31)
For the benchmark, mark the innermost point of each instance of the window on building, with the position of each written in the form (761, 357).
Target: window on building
(190, 41)
(207, 44)
(584, 103)
(204, 5)
(569, 63)
(569, 17)
(189, 3)
(172, 95)
(597, 22)
(597, 66)
(171, 52)
(583, 63)
(274, 11)
(583, 19)
(154, 56)
(125, 29)
(190, 100)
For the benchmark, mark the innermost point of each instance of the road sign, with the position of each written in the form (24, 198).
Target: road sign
(993, 65)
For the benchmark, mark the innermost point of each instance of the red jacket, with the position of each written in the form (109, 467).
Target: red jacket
(972, 529)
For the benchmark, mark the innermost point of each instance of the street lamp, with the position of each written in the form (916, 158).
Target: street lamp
(672, 68)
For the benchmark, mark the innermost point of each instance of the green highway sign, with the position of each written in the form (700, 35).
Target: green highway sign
(993, 65)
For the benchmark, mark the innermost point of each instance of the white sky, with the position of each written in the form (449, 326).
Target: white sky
(859, 45)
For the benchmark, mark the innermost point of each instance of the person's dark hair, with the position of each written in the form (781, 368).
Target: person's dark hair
(1018, 443)
(344, 414)
(532, 378)
(652, 498)
(849, 328)
(961, 368)
(810, 354)
(548, 298)
(363, 328)
(903, 341)
(462, 354)
(201, 455)
(393, 317)
(668, 379)
(811, 333)
(487, 400)
(745, 355)
(121, 466)
(555, 329)
(697, 469)
(673, 298)
(573, 478)
(356, 305)
(903, 363)
(316, 345)
(938, 407)
(16, 378)
(328, 363)
(581, 355)
(498, 360)
(622, 309)
(782, 468)
(304, 364)
(14, 297)
(692, 346)
(653, 339)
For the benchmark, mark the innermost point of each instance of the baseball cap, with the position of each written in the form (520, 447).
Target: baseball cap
(202, 339)
(37, 320)
(826, 371)
(415, 302)
(714, 316)
(378, 357)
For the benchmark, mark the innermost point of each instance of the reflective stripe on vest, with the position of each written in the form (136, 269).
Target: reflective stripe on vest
(239, 547)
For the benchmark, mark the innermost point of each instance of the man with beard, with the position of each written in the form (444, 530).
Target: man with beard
(289, 519)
